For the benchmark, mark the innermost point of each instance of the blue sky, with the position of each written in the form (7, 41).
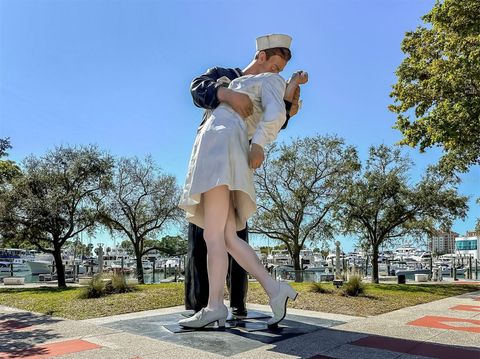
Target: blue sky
(117, 73)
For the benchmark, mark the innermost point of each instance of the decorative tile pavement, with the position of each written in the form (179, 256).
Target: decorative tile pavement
(469, 308)
(50, 350)
(430, 321)
(412, 347)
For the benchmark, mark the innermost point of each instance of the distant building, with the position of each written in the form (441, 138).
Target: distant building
(472, 234)
(442, 242)
(468, 245)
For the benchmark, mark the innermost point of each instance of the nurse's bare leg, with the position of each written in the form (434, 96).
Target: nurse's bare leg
(278, 292)
(246, 256)
(216, 202)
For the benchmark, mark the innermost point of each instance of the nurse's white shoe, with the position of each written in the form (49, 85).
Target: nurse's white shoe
(278, 303)
(206, 317)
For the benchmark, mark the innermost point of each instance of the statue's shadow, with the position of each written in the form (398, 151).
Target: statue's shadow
(239, 335)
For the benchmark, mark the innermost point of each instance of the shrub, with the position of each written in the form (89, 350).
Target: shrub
(100, 286)
(354, 287)
(95, 289)
(318, 288)
(119, 284)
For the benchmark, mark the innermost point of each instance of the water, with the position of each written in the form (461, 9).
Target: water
(159, 275)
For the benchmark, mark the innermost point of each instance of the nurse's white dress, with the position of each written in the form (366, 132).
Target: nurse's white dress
(220, 153)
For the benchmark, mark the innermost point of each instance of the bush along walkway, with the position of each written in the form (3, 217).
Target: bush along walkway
(447, 328)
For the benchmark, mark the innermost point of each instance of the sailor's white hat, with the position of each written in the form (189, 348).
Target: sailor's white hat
(273, 40)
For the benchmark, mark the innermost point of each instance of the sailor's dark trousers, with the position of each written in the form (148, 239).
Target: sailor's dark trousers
(196, 274)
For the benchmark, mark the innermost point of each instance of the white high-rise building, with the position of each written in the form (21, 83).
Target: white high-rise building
(468, 245)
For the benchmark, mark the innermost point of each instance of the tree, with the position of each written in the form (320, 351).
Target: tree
(141, 203)
(439, 84)
(169, 245)
(81, 250)
(380, 205)
(127, 246)
(8, 172)
(56, 198)
(88, 250)
(8, 169)
(297, 187)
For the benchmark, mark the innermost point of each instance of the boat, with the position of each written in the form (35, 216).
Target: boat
(40, 267)
(172, 262)
(279, 257)
(147, 265)
(16, 257)
(404, 253)
(13, 266)
(6, 267)
(42, 264)
(422, 257)
(403, 267)
(307, 258)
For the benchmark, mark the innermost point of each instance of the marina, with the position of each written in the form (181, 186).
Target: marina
(400, 264)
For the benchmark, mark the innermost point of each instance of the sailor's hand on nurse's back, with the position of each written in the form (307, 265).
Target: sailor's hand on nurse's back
(239, 102)
(256, 156)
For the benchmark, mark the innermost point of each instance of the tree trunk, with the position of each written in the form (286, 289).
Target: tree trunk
(375, 263)
(296, 266)
(138, 256)
(57, 255)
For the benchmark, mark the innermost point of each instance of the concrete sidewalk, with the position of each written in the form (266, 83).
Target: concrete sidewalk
(448, 328)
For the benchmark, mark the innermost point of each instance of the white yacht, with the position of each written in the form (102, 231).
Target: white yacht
(308, 258)
(422, 257)
(25, 260)
(9, 266)
(16, 257)
(404, 253)
(279, 257)
(41, 264)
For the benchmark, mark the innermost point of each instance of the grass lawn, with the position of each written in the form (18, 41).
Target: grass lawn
(66, 302)
(379, 298)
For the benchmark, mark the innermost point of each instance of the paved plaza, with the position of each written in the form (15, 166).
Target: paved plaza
(447, 328)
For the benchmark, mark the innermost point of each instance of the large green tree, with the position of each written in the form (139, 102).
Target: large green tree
(381, 205)
(297, 188)
(437, 95)
(56, 198)
(141, 203)
(9, 170)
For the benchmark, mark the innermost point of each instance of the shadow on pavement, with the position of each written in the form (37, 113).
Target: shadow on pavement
(18, 339)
